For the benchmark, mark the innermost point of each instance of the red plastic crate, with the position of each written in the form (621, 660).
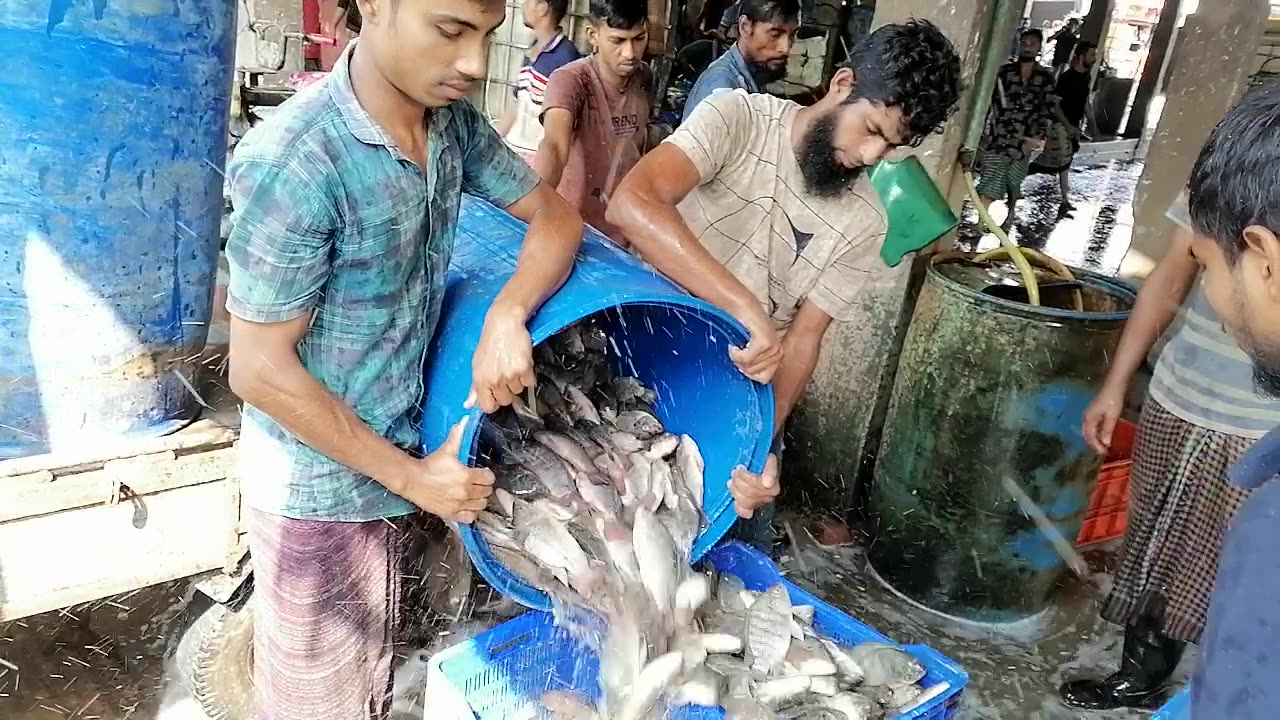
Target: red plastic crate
(1108, 512)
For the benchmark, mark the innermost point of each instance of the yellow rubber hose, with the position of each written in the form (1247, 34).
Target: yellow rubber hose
(1015, 253)
(1038, 258)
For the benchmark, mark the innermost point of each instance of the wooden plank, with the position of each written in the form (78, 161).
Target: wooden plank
(202, 434)
(65, 558)
(138, 476)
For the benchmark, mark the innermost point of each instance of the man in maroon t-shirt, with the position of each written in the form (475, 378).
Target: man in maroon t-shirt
(595, 114)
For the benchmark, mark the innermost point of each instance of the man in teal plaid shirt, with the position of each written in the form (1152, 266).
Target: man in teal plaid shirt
(345, 207)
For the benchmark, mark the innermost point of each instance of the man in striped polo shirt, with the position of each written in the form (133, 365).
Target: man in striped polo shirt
(521, 125)
(1202, 413)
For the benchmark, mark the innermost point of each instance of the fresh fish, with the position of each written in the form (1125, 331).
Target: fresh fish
(690, 595)
(662, 446)
(808, 657)
(606, 405)
(689, 462)
(618, 544)
(626, 442)
(549, 399)
(692, 651)
(780, 691)
(602, 498)
(812, 711)
(546, 466)
(729, 592)
(519, 481)
(549, 541)
(497, 439)
(505, 501)
(571, 343)
(885, 664)
(630, 389)
(497, 536)
(895, 696)
(721, 643)
(741, 704)
(768, 630)
(726, 621)
(594, 338)
(826, 685)
(854, 705)
(524, 414)
(846, 667)
(656, 554)
(662, 485)
(568, 706)
(519, 563)
(623, 654)
(580, 405)
(655, 678)
(727, 665)
(803, 613)
(640, 423)
(702, 687)
(566, 449)
(638, 478)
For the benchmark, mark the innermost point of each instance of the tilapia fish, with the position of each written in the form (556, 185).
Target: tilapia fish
(598, 505)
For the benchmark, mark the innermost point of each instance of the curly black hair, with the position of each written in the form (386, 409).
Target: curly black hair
(1236, 179)
(910, 65)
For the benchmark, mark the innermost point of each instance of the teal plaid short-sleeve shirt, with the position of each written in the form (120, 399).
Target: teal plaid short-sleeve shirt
(331, 219)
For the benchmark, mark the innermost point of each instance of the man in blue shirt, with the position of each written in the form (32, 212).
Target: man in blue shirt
(1235, 210)
(766, 29)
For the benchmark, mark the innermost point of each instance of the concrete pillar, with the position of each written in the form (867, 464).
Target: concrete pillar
(1161, 39)
(1095, 24)
(834, 431)
(1207, 74)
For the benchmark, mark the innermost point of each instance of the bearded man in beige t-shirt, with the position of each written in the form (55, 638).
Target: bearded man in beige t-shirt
(760, 206)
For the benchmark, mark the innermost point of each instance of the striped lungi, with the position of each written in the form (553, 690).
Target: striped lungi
(1001, 176)
(1180, 506)
(327, 600)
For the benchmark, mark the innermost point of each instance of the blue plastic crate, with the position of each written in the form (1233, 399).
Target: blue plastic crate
(1178, 708)
(503, 674)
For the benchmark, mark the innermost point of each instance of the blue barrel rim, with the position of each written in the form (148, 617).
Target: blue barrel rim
(1112, 286)
(543, 328)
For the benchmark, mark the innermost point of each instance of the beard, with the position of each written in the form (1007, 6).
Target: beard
(764, 74)
(824, 176)
(1266, 365)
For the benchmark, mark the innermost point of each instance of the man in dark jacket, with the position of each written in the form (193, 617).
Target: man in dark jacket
(1235, 210)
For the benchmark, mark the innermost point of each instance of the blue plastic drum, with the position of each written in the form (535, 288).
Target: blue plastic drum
(675, 343)
(113, 133)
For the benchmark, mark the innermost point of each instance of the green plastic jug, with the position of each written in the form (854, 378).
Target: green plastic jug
(917, 212)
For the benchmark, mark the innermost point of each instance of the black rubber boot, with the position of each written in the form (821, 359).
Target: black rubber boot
(1148, 661)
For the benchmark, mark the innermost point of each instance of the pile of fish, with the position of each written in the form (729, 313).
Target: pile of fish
(760, 658)
(595, 503)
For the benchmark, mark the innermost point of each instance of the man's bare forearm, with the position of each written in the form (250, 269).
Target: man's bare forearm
(1159, 299)
(293, 397)
(546, 259)
(799, 359)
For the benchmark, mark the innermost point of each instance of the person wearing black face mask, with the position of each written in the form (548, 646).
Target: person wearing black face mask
(1022, 109)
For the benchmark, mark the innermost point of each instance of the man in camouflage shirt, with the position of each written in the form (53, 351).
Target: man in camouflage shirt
(1022, 109)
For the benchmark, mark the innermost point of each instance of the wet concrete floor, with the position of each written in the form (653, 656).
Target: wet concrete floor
(1015, 670)
(1094, 236)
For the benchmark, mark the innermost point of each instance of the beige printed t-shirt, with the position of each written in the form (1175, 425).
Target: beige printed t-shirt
(751, 210)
